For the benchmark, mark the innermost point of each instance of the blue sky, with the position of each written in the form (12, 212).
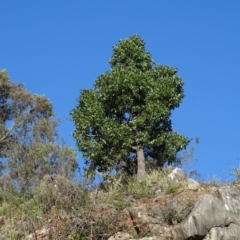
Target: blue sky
(58, 47)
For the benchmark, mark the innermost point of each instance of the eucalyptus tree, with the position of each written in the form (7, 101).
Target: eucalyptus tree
(29, 147)
(124, 120)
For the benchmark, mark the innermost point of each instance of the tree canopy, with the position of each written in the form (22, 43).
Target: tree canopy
(28, 138)
(124, 120)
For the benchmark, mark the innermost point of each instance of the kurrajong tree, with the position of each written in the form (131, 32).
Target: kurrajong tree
(124, 121)
(28, 138)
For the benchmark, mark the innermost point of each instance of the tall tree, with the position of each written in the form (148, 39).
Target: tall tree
(125, 119)
(28, 147)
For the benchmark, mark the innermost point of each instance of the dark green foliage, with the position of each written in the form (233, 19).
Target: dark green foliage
(128, 113)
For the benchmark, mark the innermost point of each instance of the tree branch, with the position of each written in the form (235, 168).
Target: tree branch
(2, 139)
(96, 135)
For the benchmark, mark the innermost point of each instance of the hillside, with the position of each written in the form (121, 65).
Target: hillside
(167, 205)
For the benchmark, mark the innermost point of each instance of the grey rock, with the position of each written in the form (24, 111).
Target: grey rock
(232, 232)
(177, 175)
(158, 192)
(230, 196)
(192, 184)
(213, 190)
(207, 213)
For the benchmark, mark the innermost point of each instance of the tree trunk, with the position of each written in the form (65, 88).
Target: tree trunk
(140, 164)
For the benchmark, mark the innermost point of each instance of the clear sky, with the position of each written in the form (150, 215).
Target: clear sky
(58, 47)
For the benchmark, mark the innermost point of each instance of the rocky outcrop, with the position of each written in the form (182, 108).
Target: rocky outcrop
(208, 212)
(230, 196)
(196, 213)
(232, 232)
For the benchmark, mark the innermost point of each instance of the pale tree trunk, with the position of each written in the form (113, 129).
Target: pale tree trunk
(140, 164)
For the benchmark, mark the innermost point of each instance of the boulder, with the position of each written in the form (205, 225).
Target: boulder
(177, 175)
(208, 212)
(224, 233)
(192, 184)
(230, 196)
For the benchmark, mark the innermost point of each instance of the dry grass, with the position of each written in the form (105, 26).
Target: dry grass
(69, 211)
